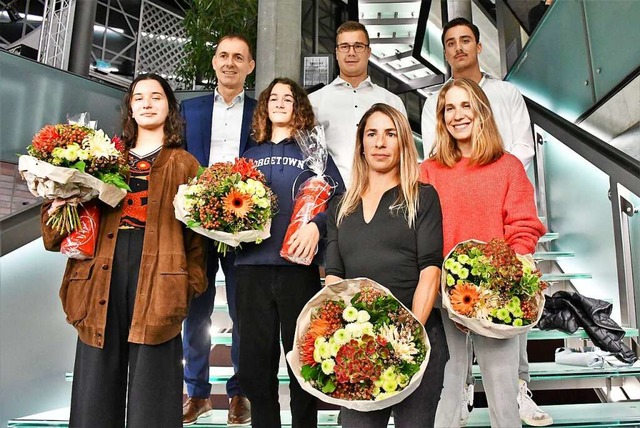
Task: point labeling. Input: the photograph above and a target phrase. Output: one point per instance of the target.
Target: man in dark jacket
(217, 130)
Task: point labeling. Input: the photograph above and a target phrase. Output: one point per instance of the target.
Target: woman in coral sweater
(485, 194)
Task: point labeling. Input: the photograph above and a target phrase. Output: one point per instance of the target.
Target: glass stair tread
(548, 237)
(537, 334)
(538, 371)
(597, 415)
(534, 334)
(549, 277)
(591, 415)
(552, 255)
(553, 371)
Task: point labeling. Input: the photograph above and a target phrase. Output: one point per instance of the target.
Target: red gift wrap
(81, 243)
(311, 200)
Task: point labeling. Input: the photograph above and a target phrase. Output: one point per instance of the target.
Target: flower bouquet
(74, 163)
(314, 193)
(227, 202)
(491, 290)
(357, 346)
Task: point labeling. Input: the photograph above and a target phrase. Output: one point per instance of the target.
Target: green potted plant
(205, 22)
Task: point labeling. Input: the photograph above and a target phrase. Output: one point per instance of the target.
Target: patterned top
(134, 212)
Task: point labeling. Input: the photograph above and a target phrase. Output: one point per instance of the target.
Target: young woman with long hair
(128, 302)
(485, 194)
(272, 291)
(386, 215)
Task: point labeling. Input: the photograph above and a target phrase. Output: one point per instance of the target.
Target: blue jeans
(197, 326)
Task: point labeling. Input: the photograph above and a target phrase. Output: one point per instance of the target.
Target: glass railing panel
(430, 44)
(432, 47)
(632, 220)
(554, 69)
(34, 94)
(579, 211)
(613, 37)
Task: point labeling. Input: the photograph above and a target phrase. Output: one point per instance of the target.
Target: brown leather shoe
(239, 411)
(195, 408)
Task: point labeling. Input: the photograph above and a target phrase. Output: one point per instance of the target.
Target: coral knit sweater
(485, 202)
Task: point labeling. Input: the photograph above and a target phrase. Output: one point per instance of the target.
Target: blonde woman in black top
(388, 227)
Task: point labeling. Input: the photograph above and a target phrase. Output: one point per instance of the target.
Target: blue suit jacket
(197, 113)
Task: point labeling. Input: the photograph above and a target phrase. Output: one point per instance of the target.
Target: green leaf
(308, 372)
(80, 166)
(192, 223)
(114, 179)
(329, 387)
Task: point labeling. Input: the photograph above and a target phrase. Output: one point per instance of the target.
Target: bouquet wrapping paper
(345, 290)
(485, 327)
(231, 239)
(51, 182)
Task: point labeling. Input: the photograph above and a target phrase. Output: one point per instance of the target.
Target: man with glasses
(339, 106)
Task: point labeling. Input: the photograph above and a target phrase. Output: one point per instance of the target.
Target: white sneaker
(530, 413)
(466, 405)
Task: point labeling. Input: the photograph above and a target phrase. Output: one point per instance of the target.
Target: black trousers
(151, 375)
(269, 300)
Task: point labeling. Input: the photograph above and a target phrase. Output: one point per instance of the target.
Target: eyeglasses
(357, 47)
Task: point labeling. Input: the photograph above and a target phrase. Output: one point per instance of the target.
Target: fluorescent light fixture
(102, 29)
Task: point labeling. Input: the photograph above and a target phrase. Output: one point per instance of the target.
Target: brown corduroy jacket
(172, 268)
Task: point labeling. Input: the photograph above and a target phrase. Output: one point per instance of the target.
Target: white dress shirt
(226, 128)
(509, 111)
(339, 107)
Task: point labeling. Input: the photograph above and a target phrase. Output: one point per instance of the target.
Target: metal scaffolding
(55, 39)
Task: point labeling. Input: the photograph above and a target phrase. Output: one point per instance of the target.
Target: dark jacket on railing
(567, 311)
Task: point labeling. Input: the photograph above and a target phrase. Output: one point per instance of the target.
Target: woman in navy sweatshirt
(272, 291)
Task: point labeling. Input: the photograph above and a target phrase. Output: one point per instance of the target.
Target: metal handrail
(618, 165)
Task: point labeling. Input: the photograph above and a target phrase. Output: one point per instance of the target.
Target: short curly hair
(303, 117)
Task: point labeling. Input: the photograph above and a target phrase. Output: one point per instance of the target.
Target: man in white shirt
(339, 106)
(217, 129)
(461, 41)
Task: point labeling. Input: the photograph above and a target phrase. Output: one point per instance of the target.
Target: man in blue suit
(218, 128)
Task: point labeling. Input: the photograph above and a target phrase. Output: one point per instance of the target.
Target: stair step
(534, 334)
(553, 371)
(552, 255)
(537, 371)
(548, 237)
(551, 277)
(621, 414)
(537, 334)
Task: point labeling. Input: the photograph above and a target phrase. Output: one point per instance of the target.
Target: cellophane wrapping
(81, 243)
(313, 195)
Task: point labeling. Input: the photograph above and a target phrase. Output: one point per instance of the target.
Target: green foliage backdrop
(205, 22)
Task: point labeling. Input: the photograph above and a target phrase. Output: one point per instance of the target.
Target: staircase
(546, 375)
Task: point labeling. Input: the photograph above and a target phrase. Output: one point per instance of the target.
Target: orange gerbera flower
(318, 327)
(464, 297)
(237, 203)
